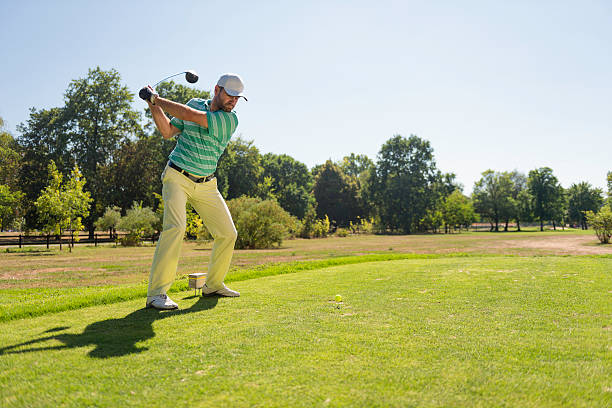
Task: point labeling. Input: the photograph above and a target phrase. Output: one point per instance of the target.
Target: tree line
(69, 165)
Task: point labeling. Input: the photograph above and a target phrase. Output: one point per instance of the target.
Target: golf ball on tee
(338, 298)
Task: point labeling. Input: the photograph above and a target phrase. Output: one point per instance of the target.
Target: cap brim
(234, 93)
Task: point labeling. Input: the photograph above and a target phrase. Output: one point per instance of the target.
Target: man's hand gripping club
(178, 110)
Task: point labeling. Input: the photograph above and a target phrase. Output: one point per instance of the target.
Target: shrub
(601, 223)
(311, 227)
(138, 222)
(260, 223)
(341, 232)
(321, 228)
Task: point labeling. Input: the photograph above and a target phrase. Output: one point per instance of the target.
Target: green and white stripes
(198, 149)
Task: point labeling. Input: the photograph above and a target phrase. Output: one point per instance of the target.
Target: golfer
(204, 128)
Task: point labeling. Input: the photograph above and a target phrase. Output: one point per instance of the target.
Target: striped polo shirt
(198, 149)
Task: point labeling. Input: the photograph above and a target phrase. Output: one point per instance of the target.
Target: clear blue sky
(491, 84)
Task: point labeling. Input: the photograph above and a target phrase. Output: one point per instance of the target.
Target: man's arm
(162, 122)
(183, 112)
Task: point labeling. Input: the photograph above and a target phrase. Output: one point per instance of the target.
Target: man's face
(226, 102)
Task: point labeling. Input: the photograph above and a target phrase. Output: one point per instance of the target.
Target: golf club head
(191, 76)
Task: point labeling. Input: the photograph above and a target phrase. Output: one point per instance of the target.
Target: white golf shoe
(223, 291)
(162, 302)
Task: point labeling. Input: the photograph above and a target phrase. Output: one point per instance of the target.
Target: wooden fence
(22, 240)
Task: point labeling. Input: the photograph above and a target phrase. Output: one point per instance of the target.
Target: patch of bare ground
(115, 265)
(560, 245)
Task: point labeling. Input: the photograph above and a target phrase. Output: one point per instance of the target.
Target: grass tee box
(437, 332)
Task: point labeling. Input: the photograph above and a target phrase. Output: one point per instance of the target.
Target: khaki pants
(209, 204)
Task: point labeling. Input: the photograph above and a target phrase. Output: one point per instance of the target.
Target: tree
(134, 173)
(10, 203)
(10, 159)
(109, 220)
(520, 208)
(62, 205)
(401, 186)
(99, 117)
(76, 201)
(336, 195)
(547, 195)
(356, 164)
(457, 211)
(492, 197)
(291, 182)
(239, 171)
(609, 179)
(583, 197)
(43, 138)
(524, 209)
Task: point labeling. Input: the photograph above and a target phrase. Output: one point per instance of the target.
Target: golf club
(190, 76)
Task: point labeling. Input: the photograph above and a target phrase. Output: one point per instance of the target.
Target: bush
(601, 223)
(341, 232)
(311, 227)
(138, 222)
(260, 223)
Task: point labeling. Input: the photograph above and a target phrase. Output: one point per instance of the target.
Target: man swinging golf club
(204, 128)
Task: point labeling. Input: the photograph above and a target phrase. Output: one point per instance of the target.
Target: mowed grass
(458, 332)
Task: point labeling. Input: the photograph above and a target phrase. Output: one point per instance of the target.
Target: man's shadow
(112, 337)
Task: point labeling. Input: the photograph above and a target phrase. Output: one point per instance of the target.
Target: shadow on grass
(112, 337)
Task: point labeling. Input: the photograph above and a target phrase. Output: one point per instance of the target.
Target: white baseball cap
(233, 85)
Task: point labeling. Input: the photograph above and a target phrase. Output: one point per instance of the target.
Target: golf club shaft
(168, 77)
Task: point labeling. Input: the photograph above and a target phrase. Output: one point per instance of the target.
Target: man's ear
(217, 89)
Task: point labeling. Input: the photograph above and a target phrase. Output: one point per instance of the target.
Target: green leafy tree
(356, 164)
(62, 205)
(291, 182)
(138, 222)
(76, 201)
(457, 211)
(42, 139)
(10, 204)
(609, 179)
(547, 195)
(402, 185)
(134, 173)
(10, 159)
(524, 208)
(583, 197)
(492, 196)
(518, 210)
(240, 171)
(99, 117)
(336, 195)
(109, 220)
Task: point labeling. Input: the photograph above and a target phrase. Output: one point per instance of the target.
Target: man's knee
(228, 234)
(174, 229)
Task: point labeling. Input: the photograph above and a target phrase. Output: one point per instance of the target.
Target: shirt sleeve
(178, 123)
(222, 125)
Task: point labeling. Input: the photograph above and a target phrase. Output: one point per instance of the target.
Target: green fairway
(458, 331)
